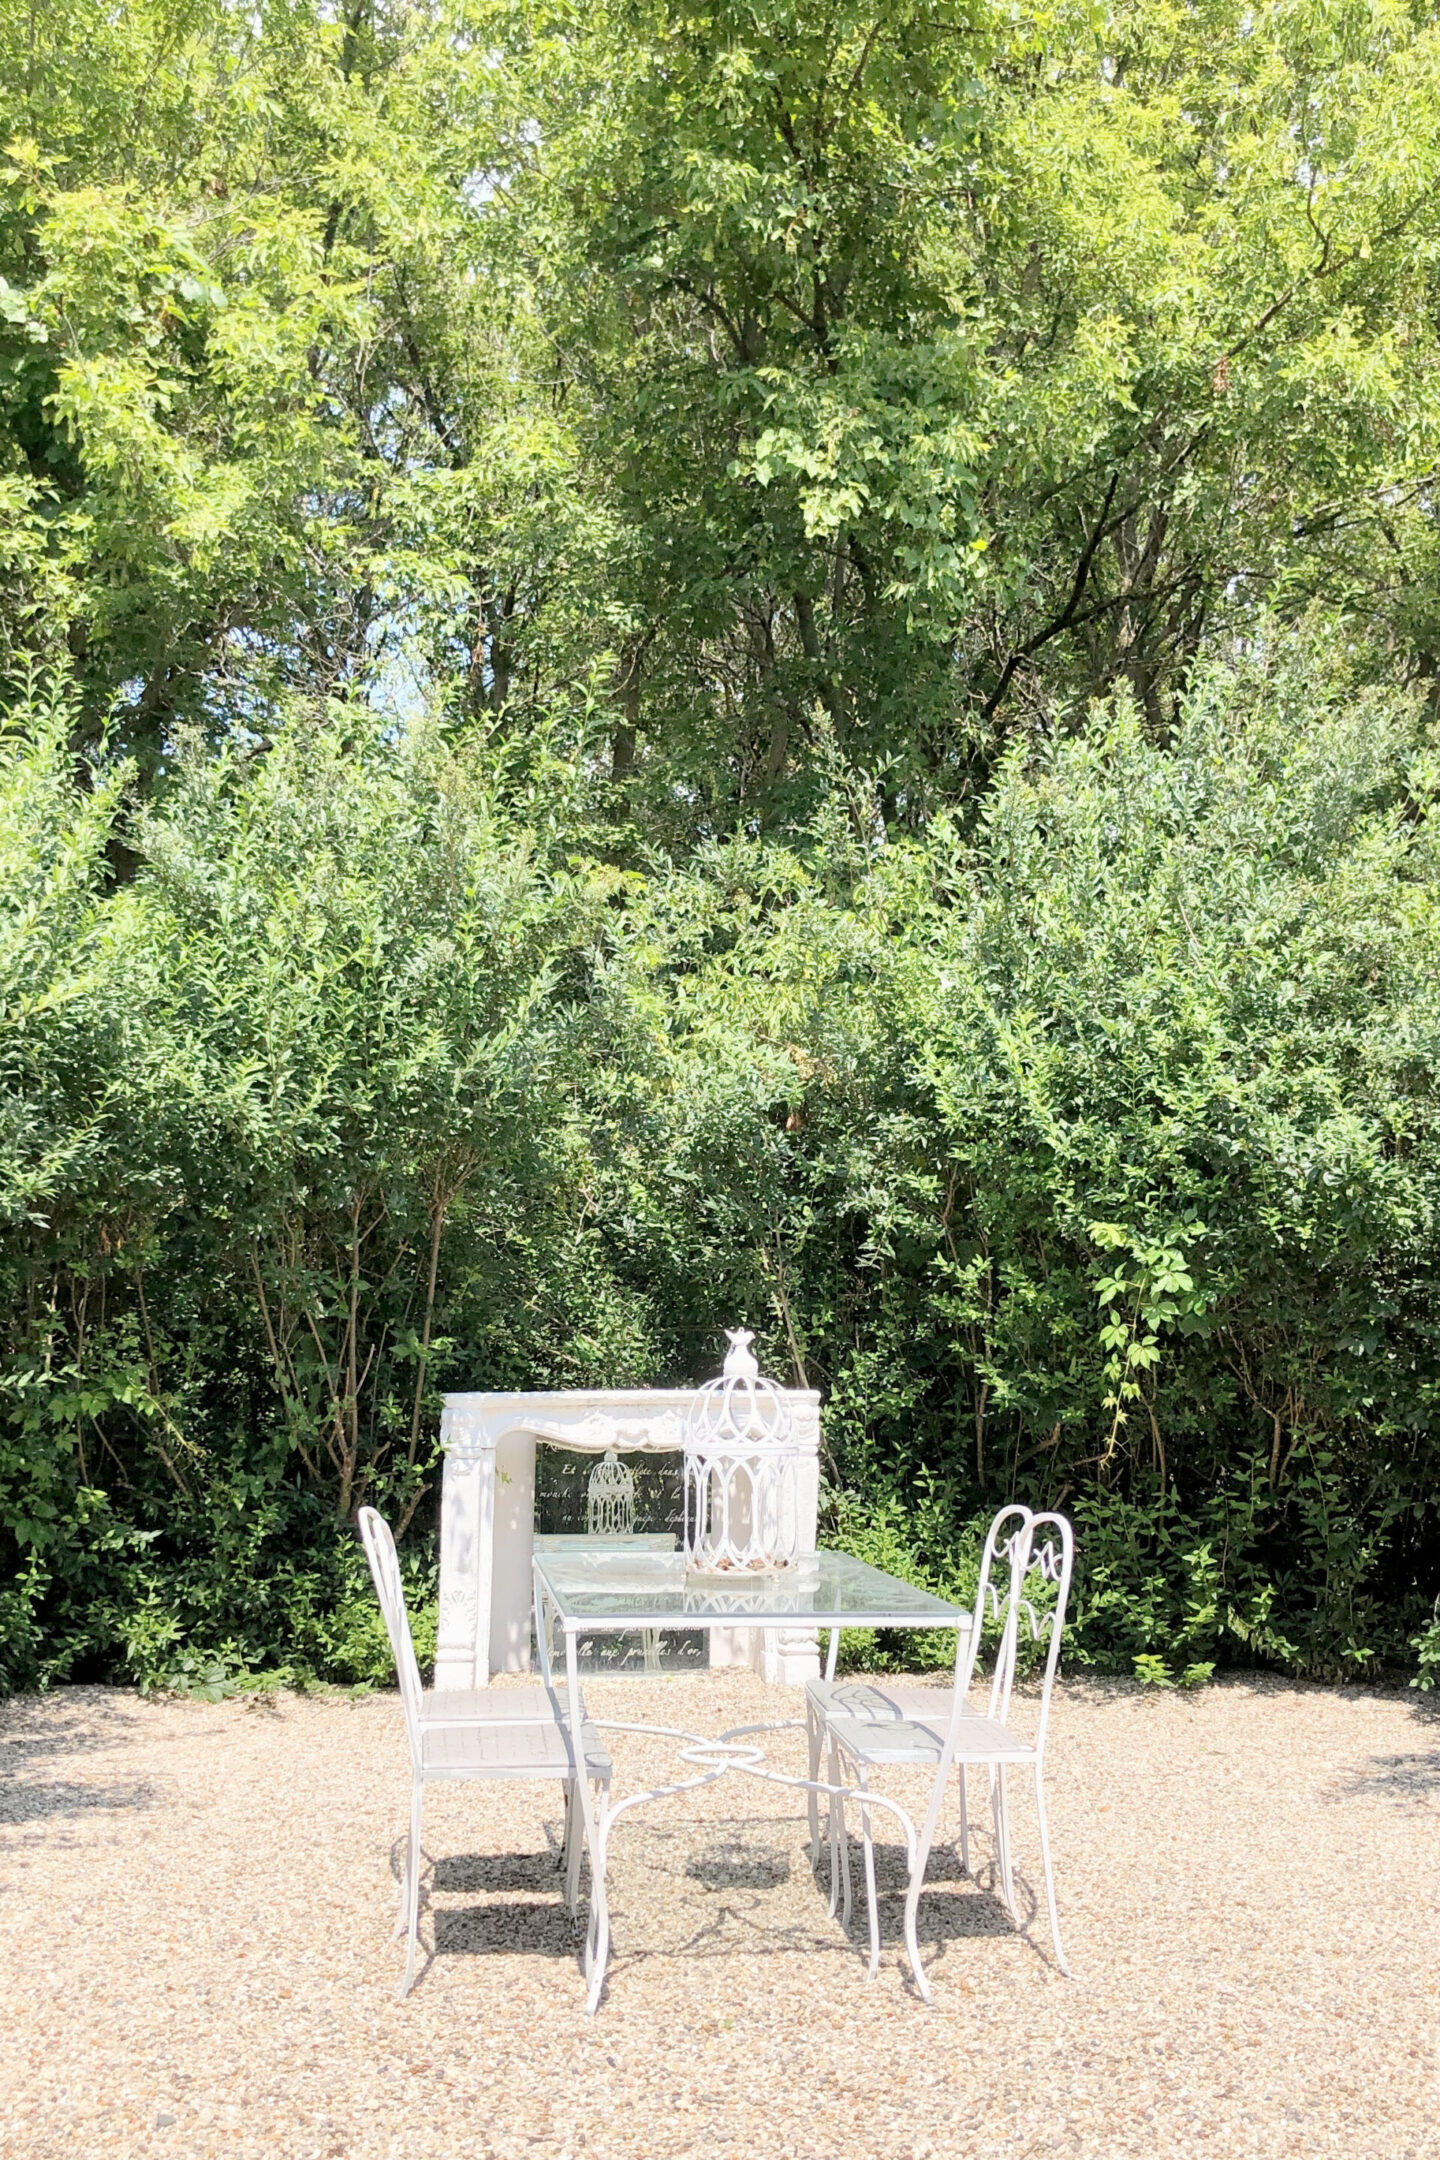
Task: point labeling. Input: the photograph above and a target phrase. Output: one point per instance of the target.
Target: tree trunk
(627, 697)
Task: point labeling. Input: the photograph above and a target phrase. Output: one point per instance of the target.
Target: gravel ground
(196, 1902)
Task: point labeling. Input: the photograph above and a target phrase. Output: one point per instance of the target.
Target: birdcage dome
(740, 1406)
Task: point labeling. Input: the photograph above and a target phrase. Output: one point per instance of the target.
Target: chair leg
(1049, 1871)
(651, 1640)
(839, 1847)
(871, 1895)
(574, 1846)
(597, 1955)
(815, 1737)
(964, 1826)
(412, 1884)
(919, 1861)
(402, 1907)
(597, 1934)
(912, 1906)
(832, 1831)
(1002, 1844)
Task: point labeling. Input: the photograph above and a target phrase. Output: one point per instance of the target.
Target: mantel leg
(788, 1657)
(467, 1541)
(512, 1544)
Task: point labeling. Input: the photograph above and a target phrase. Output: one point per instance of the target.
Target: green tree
(271, 409)
(944, 361)
(758, 372)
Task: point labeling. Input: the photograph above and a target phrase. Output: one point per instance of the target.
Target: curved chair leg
(412, 1884)
(912, 1946)
(598, 1955)
(832, 1832)
(1049, 1871)
(919, 1861)
(592, 1940)
(597, 1935)
(912, 1907)
(871, 1896)
(403, 1904)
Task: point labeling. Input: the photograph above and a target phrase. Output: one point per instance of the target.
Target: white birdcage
(610, 1499)
(741, 1471)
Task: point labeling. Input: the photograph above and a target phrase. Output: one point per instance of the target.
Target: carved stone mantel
(487, 1517)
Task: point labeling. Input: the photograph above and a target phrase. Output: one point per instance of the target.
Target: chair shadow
(491, 1874)
(954, 1906)
(513, 1921)
(515, 1927)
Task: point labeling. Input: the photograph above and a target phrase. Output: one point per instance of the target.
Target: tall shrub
(1097, 1157)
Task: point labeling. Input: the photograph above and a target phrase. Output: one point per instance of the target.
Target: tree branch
(1068, 614)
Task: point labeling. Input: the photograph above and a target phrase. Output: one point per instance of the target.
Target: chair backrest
(385, 1573)
(1027, 1550)
(997, 1593)
(1050, 1558)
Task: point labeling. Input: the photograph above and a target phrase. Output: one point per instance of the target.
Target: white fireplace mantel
(487, 1517)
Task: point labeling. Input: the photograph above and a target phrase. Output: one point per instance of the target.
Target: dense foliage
(663, 666)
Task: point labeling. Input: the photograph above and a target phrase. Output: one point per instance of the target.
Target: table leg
(597, 1934)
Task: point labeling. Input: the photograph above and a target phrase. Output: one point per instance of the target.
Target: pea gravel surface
(196, 1902)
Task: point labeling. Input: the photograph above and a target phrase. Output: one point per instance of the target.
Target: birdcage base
(737, 1571)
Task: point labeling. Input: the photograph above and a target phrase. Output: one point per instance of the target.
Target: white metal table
(612, 1591)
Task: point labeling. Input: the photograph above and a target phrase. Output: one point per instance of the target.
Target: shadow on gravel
(519, 1927)
(737, 1866)
(25, 1800)
(35, 1731)
(481, 1873)
(1403, 1777)
(46, 1727)
(953, 1905)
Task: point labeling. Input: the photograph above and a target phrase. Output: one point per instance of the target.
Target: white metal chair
(476, 1734)
(881, 1703)
(867, 1728)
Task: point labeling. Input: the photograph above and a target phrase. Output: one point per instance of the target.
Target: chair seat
(507, 1751)
(897, 1739)
(492, 1706)
(865, 1700)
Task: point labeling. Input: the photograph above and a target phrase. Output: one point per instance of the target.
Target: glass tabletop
(616, 1589)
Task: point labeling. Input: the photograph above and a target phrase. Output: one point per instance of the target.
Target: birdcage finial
(740, 1358)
